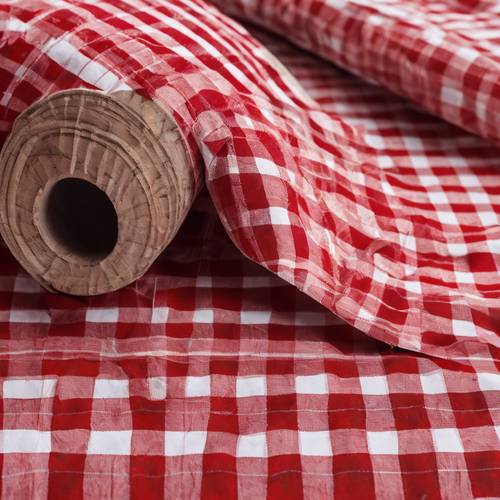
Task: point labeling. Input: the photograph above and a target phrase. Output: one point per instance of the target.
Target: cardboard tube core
(93, 187)
(71, 208)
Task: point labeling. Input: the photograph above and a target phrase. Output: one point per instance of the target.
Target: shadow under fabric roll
(93, 187)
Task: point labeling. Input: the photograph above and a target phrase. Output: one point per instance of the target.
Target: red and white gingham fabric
(299, 189)
(211, 376)
(443, 54)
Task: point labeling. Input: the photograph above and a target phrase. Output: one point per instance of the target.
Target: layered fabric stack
(327, 320)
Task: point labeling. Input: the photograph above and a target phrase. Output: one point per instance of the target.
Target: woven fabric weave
(299, 189)
(211, 375)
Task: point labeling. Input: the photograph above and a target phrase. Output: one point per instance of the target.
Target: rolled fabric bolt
(93, 187)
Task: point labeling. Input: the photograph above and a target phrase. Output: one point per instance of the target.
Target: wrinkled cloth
(213, 376)
(299, 189)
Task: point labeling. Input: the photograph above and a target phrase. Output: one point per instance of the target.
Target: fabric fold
(209, 376)
(441, 55)
(300, 190)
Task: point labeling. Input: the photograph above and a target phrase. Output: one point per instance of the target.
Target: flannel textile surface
(213, 376)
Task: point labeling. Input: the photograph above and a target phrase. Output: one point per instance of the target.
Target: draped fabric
(327, 320)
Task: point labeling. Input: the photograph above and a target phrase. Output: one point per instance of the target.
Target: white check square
(374, 386)
(203, 316)
(433, 383)
(489, 381)
(279, 216)
(110, 443)
(159, 316)
(198, 386)
(110, 388)
(463, 328)
(315, 443)
(29, 388)
(157, 388)
(178, 443)
(25, 441)
(250, 386)
(252, 445)
(311, 384)
(383, 443)
(108, 315)
(447, 440)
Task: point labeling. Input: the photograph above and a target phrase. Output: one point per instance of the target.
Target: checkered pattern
(442, 54)
(299, 189)
(210, 376)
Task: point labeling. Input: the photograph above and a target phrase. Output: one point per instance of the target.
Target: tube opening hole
(81, 220)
